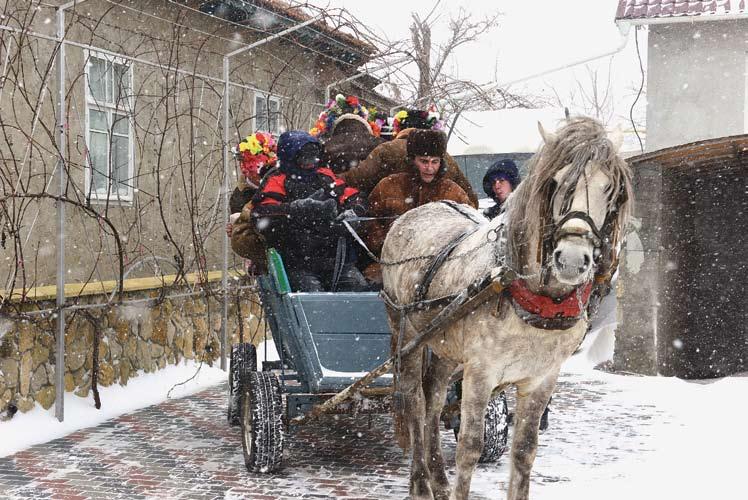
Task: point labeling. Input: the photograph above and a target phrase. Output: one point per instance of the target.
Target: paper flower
(257, 151)
(334, 109)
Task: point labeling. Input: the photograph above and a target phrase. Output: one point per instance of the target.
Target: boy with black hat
(500, 181)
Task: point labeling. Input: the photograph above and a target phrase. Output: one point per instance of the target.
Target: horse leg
(476, 391)
(413, 412)
(435, 383)
(531, 401)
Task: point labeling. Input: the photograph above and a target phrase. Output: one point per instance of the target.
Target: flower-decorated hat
(339, 109)
(418, 118)
(256, 153)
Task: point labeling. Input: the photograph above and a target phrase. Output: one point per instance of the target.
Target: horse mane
(580, 141)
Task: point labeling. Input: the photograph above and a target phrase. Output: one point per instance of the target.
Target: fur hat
(350, 116)
(426, 143)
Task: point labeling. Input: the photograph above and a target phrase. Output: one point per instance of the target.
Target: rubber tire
(243, 361)
(495, 431)
(262, 423)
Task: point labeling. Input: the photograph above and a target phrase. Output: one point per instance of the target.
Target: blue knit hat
(502, 169)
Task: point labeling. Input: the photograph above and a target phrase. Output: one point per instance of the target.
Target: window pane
(99, 164)
(121, 83)
(261, 114)
(120, 164)
(108, 77)
(97, 70)
(274, 116)
(120, 125)
(97, 120)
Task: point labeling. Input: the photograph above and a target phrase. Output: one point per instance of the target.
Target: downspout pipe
(226, 189)
(61, 184)
(623, 28)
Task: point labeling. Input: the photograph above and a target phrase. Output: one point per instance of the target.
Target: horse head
(566, 218)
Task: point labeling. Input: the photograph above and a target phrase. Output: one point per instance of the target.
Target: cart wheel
(496, 429)
(243, 361)
(262, 423)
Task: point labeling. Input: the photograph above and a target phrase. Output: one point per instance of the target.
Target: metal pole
(328, 89)
(225, 242)
(226, 153)
(61, 177)
(62, 181)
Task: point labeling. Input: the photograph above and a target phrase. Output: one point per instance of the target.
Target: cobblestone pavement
(185, 449)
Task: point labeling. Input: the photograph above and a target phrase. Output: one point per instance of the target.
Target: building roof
(712, 153)
(645, 11)
(273, 16)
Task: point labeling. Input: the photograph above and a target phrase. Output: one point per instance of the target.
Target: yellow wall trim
(107, 287)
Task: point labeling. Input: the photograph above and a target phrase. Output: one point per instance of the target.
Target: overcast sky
(532, 36)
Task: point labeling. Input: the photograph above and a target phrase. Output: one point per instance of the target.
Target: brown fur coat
(392, 158)
(398, 193)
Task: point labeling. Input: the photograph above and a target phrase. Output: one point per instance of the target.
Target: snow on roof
(514, 131)
(663, 9)
(502, 131)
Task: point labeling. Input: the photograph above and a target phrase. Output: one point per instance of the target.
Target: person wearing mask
(297, 210)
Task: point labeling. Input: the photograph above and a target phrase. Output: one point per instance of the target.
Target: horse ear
(615, 136)
(548, 137)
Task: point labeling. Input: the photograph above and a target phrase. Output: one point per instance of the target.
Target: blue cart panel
(331, 338)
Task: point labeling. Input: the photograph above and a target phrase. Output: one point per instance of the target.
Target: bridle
(603, 239)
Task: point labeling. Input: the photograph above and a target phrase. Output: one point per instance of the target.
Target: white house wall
(696, 86)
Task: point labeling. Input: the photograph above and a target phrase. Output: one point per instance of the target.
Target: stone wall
(135, 338)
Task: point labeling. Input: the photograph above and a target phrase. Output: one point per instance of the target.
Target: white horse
(559, 236)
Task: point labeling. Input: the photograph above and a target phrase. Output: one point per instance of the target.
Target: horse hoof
(441, 494)
(421, 490)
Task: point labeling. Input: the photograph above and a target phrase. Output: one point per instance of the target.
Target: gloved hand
(308, 207)
(347, 214)
(319, 195)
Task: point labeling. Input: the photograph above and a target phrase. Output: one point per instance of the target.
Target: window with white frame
(267, 114)
(109, 175)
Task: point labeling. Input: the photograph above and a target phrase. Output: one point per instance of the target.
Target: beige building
(143, 125)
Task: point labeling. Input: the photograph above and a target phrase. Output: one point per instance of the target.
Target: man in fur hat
(500, 181)
(424, 182)
(391, 157)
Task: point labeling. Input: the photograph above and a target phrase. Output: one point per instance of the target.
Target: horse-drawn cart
(325, 342)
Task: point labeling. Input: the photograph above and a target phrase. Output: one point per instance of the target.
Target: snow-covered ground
(611, 436)
(639, 437)
(40, 425)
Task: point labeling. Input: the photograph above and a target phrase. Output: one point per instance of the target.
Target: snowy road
(611, 437)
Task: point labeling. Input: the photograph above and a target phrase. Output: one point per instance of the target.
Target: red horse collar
(541, 311)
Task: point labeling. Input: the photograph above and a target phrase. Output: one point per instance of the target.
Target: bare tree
(433, 82)
(590, 94)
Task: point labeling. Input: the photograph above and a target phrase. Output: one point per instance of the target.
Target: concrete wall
(639, 277)
(696, 82)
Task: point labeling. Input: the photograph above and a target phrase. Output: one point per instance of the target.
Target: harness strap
(340, 258)
(423, 288)
(459, 208)
(358, 239)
